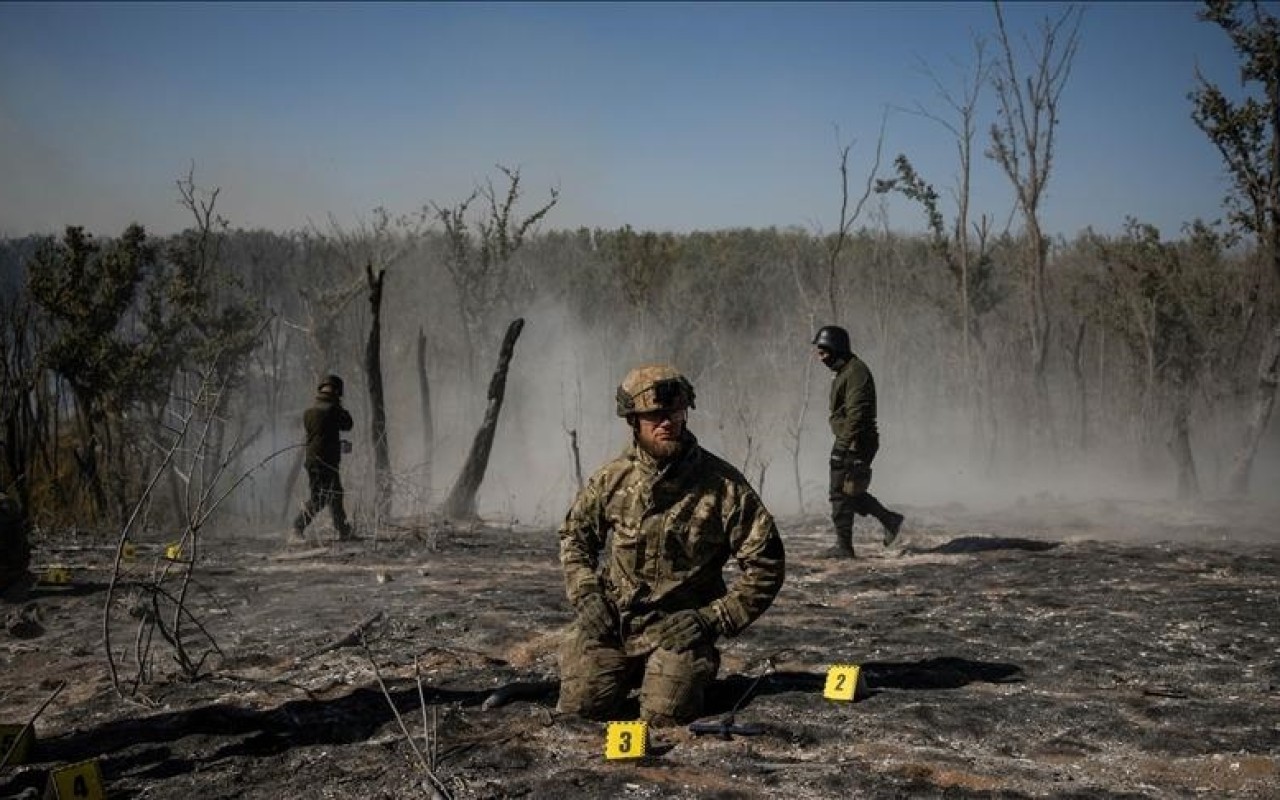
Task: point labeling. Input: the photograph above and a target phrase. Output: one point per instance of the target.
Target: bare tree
(963, 245)
(1247, 136)
(189, 452)
(479, 260)
(428, 423)
(1022, 143)
(963, 258)
(849, 217)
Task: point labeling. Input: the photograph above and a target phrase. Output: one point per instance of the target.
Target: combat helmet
(833, 338)
(654, 387)
(331, 383)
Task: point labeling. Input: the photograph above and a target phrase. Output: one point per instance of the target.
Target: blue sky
(664, 116)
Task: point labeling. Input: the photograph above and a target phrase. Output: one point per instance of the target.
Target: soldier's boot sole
(837, 552)
(892, 528)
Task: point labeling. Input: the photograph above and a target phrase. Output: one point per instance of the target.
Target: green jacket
(853, 409)
(670, 532)
(324, 423)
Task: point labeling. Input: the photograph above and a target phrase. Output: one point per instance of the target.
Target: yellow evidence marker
(626, 739)
(81, 781)
(23, 735)
(57, 576)
(844, 682)
(173, 552)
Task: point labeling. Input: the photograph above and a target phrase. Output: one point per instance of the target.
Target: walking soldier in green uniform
(643, 549)
(324, 423)
(857, 440)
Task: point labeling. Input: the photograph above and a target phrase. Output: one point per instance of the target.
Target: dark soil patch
(1004, 656)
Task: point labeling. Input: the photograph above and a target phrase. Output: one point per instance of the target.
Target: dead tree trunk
(377, 403)
(1180, 448)
(461, 503)
(1264, 399)
(577, 458)
(295, 471)
(428, 428)
(1076, 352)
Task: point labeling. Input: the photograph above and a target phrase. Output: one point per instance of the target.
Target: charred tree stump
(461, 503)
(377, 402)
(577, 457)
(428, 429)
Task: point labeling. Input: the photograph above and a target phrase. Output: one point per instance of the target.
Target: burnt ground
(1061, 650)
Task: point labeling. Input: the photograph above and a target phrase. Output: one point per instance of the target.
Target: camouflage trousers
(596, 677)
(326, 492)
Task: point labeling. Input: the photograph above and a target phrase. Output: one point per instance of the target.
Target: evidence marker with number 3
(626, 739)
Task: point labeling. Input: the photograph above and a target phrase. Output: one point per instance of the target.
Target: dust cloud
(761, 404)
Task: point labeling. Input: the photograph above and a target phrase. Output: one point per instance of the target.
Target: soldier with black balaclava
(325, 422)
(857, 440)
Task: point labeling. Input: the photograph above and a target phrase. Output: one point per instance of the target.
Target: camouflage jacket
(324, 422)
(853, 409)
(670, 531)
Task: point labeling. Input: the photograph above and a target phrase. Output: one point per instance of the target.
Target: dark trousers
(326, 491)
(845, 504)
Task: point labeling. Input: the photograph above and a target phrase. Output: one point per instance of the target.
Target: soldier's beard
(660, 449)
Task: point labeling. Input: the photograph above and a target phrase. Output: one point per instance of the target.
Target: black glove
(685, 629)
(596, 618)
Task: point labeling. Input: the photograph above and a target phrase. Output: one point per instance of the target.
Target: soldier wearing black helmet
(324, 423)
(643, 551)
(857, 439)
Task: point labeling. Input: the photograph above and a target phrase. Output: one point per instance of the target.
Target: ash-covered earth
(1051, 649)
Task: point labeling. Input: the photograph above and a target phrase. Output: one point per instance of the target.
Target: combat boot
(842, 549)
(892, 525)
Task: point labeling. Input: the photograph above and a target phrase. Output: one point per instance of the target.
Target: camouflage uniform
(857, 440)
(669, 531)
(324, 422)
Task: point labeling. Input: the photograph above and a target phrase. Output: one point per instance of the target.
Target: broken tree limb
(352, 637)
(461, 503)
(31, 722)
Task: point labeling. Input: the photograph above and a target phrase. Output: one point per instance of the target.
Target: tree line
(142, 375)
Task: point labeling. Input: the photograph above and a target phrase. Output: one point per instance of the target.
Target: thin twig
(18, 739)
(422, 760)
(427, 737)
